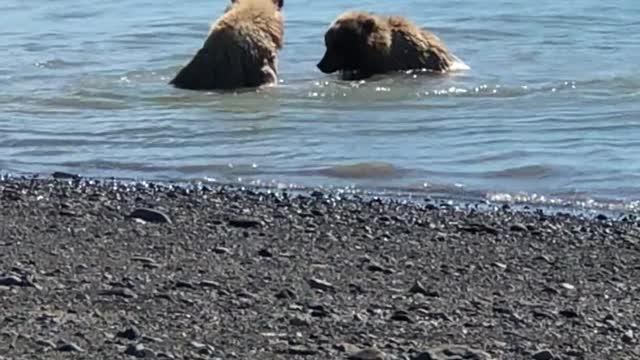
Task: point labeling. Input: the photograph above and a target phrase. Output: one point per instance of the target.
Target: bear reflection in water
(359, 45)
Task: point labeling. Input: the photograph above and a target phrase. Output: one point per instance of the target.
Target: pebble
(45, 343)
(285, 294)
(500, 265)
(627, 337)
(69, 347)
(209, 284)
(130, 333)
(543, 355)
(299, 321)
(321, 284)
(453, 352)
(301, 350)
(139, 351)
(245, 222)
(150, 215)
(347, 348)
(265, 253)
(418, 288)
(518, 228)
(401, 315)
(568, 286)
(379, 268)
(368, 354)
(64, 175)
(221, 250)
(12, 281)
(569, 313)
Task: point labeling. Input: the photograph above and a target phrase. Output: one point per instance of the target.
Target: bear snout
(327, 65)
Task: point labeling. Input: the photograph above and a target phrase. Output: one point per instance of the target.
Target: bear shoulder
(416, 47)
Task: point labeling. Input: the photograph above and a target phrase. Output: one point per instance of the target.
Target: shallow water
(548, 111)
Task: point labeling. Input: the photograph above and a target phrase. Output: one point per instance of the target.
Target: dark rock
(285, 294)
(320, 284)
(401, 315)
(139, 351)
(69, 347)
(627, 337)
(46, 343)
(180, 284)
(245, 222)
(60, 175)
(131, 333)
(518, 228)
(368, 354)
(475, 228)
(12, 281)
(319, 310)
(418, 288)
(68, 213)
(569, 313)
(265, 253)
(150, 215)
(453, 352)
(299, 321)
(543, 355)
(379, 268)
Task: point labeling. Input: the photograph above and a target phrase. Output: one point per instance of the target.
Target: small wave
(369, 170)
(524, 172)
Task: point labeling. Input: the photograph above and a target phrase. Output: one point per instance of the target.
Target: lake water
(549, 111)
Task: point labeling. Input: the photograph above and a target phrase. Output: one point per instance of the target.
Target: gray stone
(130, 333)
(453, 352)
(320, 284)
(245, 222)
(368, 354)
(543, 355)
(69, 347)
(150, 215)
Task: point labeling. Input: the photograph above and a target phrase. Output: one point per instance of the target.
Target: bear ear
(368, 25)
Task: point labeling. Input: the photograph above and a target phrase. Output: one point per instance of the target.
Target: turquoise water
(548, 111)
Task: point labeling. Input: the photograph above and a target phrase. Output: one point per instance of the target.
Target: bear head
(355, 44)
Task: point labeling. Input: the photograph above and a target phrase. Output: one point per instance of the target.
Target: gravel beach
(93, 270)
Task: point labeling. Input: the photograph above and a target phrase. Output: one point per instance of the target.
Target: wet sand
(93, 270)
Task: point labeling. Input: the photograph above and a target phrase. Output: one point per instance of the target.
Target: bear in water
(240, 51)
(360, 44)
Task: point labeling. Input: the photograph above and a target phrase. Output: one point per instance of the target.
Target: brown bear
(240, 50)
(360, 44)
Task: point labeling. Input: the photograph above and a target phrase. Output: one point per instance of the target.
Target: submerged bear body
(359, 45)
(240, 50)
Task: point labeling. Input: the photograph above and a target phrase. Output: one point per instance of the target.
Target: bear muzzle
(327, 65)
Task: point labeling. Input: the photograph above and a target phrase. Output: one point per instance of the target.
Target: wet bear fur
(360, 44)
(240, 50)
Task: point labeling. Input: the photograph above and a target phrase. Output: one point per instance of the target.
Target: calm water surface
(549, 110)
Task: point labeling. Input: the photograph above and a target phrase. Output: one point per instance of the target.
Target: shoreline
(126, 271)
(481, 201)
